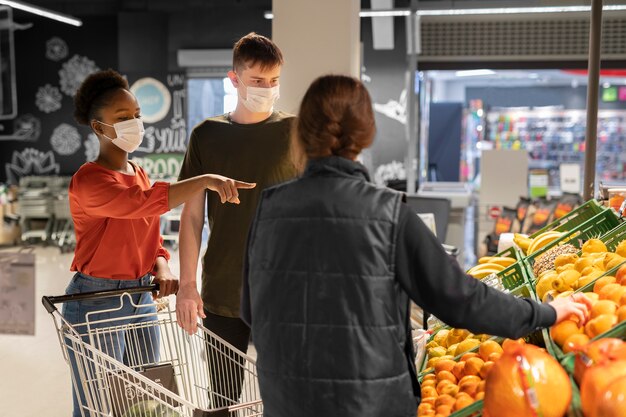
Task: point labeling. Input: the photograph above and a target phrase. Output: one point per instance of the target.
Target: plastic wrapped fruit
(526, 381)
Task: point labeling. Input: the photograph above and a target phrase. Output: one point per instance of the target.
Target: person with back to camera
(116, 213)
(331, 265)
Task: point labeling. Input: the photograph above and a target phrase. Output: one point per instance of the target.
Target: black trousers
(226, 370)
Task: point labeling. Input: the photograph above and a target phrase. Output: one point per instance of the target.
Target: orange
(561, 331)
(484, 371)
(600, 324)
(620, 275)
(480, 396)
(446, 375)
(494, 356)
(469, 378)
(575, 342)
(450, 389)
(600, 307)
(617, 294)
(443, 410)
(466, 356)
(429, 377)
(621, 314)
(601, 282)
(444, 400)
(488, 347)
(444, 365)
(429, 392)
(429, 400)
(607, 290)
(508, 342)
(441, 385)
(473, 366)
(462, 402)
(458, 369)
(423, 408)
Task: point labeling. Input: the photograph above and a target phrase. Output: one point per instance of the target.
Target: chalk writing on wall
(56, 49)
(175, 80)
(73, 72)
(159, 165)
(171, 138)
(65, 139)
(30, 161)
(48, 98)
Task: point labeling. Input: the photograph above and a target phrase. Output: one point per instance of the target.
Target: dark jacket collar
(336, 165)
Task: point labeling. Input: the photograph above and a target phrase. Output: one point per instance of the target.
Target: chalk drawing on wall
(92, 147)
(65, 139)
(394, 109)
(26, 128)
(74, 72)
(154, 99)
(30, 161)
(48, 98)
(56, 49)
(392, 171)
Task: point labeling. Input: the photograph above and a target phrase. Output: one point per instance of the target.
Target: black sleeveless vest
(327, 311)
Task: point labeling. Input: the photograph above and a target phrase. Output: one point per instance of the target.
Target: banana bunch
(530, 246)
(488, 265)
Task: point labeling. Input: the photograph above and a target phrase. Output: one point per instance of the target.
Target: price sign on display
(494, 212)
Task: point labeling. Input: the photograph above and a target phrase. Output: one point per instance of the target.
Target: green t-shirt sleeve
(192, 165)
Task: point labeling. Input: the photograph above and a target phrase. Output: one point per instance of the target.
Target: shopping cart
(63, 230)
(182, 375)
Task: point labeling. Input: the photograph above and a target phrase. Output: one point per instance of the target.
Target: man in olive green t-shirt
(250, 144)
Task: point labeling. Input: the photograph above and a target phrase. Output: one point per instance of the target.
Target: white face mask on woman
(129, 134)
(259, 99)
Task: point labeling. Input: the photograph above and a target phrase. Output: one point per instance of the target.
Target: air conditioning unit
(205, 58)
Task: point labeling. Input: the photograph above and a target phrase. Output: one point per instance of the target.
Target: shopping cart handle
(49, 302)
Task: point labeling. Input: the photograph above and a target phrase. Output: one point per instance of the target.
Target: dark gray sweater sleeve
(436, 282)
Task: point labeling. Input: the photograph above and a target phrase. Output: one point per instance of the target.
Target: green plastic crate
(598, 226)
(535, 338)
(551, 345)
(574, 218)
(515, 276)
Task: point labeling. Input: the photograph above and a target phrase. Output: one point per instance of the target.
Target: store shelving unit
(555, 136)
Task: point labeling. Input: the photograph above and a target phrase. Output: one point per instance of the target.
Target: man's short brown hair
(255, 49)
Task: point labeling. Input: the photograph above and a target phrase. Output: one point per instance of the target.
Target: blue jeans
(136, 346)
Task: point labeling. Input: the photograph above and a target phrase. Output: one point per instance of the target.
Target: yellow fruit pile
(609, 308)
(455, 385)
(531, 245)
(449, 343)
(488, 265)
(573, 271)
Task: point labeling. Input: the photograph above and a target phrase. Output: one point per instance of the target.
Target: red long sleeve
(116, 218)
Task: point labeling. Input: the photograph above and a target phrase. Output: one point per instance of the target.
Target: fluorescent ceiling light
(485, 11)
(474, 73)
(42, 12)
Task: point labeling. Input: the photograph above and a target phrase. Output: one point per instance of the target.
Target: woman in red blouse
(116, 213)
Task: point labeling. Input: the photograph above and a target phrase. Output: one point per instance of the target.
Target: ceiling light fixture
(474, 73)
(40, 11)
(485, 11)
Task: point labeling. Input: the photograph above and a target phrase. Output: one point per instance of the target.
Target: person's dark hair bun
(93, 93)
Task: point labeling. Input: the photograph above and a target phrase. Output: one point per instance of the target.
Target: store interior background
(466, 113)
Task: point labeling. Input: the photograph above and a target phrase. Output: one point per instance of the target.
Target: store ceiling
(81, 8)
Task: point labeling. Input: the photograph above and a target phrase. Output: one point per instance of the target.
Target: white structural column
(317, 38)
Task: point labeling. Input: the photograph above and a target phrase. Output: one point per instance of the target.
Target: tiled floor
(34, 378)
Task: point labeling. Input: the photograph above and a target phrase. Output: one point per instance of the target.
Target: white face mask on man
(129, 134)
(259, 99)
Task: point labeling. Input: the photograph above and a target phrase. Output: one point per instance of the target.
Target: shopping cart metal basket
(183, 375)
